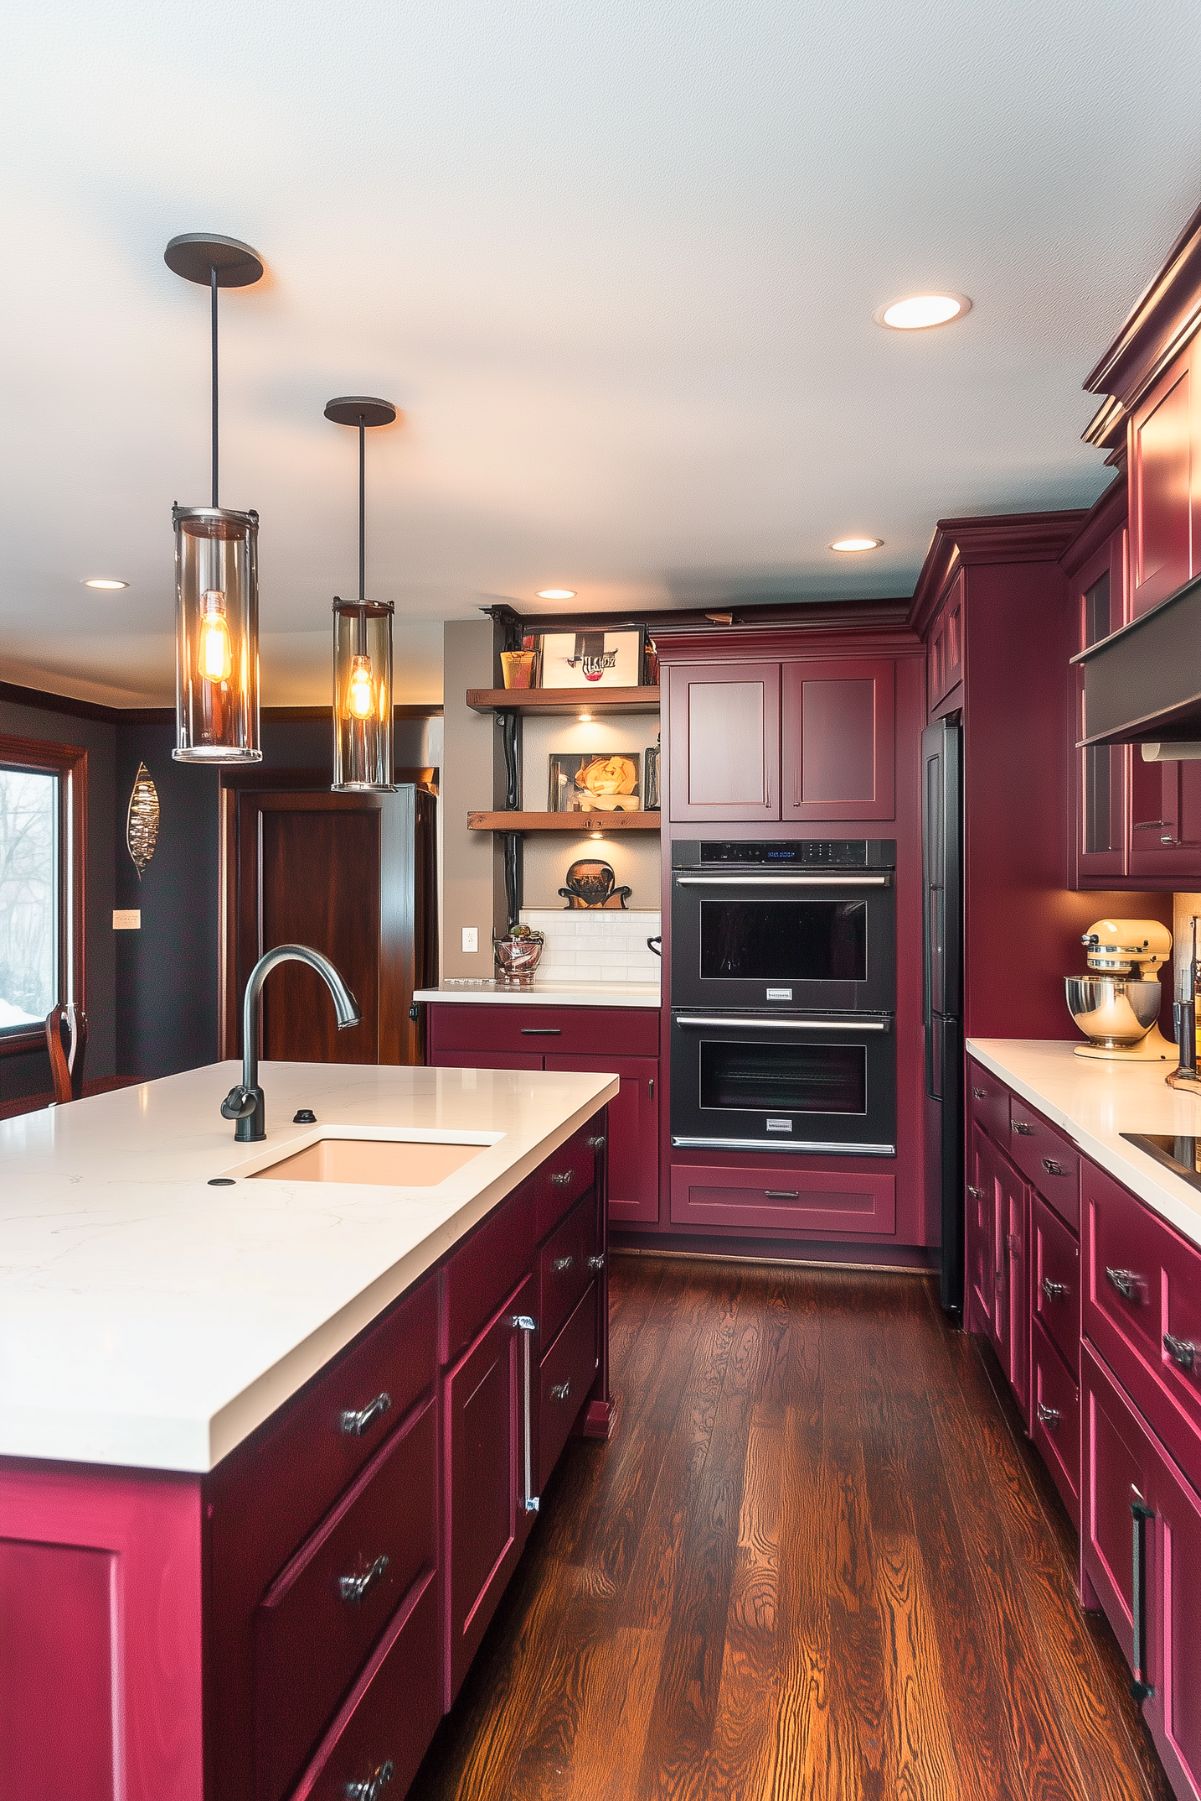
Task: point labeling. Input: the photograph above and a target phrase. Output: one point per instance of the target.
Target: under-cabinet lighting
(585, 718)
(917, 312)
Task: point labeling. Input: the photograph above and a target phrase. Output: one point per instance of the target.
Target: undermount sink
(379, 1162)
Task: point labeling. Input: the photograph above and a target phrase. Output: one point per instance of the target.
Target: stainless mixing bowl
(1113, 1010)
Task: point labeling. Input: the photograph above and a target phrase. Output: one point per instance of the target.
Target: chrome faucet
(244, 1103)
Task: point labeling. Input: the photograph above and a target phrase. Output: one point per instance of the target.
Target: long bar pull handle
(780, 1194)
(1140, 1513)
(771, 1022)
(523, 1323)
(541, 1031)
(783, 881)
(1182, 1351)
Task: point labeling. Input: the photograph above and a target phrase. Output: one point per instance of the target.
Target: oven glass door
(799, 1084)
(783, 941)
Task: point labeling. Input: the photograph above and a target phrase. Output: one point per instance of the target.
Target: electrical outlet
(127, 919)
(471, 938)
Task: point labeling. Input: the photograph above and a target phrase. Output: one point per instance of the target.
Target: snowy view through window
(28, 896)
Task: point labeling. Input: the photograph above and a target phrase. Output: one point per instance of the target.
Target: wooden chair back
(67, 1041)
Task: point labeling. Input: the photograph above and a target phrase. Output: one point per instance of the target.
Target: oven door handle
(772, 1023)
(783, 881)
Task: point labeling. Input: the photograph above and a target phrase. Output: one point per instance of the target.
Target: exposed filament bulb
(216, 652)
(360, 695)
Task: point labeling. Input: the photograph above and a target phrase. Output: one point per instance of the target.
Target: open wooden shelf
(563, 822)
(564, 700)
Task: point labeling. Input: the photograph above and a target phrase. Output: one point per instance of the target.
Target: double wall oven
(783, 990)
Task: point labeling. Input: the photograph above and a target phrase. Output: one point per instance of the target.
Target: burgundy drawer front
(312, 1632)
(487, 1266)
(1142, 1309)
(1047, 1159)
(1056, 1279)
(988, 1103)
(389, 1720)
(566, 1175)
(1118, 1458)
(578, 1031)
(317, 1443)
(566, 1375)
(797, 1203)
(1055, 1418)
(565, 1269)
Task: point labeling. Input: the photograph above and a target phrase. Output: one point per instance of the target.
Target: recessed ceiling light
(585, 719)
(856, 544)
(556, 594)
(108, 582)
(918, 311)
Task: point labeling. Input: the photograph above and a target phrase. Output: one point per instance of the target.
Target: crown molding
(1162, 320)
(1106, 516)
(988, 538)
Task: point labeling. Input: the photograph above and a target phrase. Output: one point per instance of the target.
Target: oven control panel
(788, 853)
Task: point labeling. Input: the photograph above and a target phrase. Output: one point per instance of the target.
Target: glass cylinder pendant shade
(216, 636)
(363, 694)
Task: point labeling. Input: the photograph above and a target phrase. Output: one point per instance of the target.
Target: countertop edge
(612, 995)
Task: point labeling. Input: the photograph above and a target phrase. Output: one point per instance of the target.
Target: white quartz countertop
(149, 1319)
(1094, 1102)
(547, 994)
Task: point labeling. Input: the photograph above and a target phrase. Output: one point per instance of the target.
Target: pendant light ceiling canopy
(216, 563)
(362, 696)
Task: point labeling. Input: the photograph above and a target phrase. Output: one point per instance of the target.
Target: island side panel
(598, 1415)
(100, 1640)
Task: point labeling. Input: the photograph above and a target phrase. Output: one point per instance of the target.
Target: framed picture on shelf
(593, 782)
(595, 659)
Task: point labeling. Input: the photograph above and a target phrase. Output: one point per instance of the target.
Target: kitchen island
(272, 1439)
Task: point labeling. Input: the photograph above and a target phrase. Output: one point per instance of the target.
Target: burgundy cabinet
(633, 1133)
(1013, 1300)
(490, 1457)
(1119, 1461)
(1174, 1710)
(1165, 824)
(1102, 772)
(837, 740)
(944, 650)
(1164, 481)
(980, 1236)
(723, 741)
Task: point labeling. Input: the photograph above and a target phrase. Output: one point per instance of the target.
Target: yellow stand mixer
(1117, 1004)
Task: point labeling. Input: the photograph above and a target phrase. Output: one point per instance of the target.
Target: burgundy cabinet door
(1174, 1710)
(1164, 484)
(1102, 773)
(633, 1133)
(1165, 831)
(944, 650)
(489, 1408)
(1117, 1485)
(838, 740)
(1014, 1303)
(981, 1235)
(723, 735)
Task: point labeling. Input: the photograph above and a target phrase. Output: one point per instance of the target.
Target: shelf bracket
(511, 850)
(510, 744)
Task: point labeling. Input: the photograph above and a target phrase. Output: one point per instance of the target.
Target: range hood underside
(1143, 683)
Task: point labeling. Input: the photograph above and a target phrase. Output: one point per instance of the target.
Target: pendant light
(216, 566)
(362, 700)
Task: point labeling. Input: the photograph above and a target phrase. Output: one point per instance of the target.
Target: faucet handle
(238, 1103)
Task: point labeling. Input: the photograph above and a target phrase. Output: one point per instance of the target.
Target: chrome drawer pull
(1022, 1128)
(1054, 1291)
(353, 1588)
(541, 1031)
(979, 1094)
(976, 1193)
(355, 1421)
(597, 1142)
(561, 1391)
(780, 1194)
(1127, 1282)
(1182, 1351)
(597, 1260)
(561, 1177)
(563, 1263)
(1048, 1416)
(1054, 1168)
(527, 1326)
(374, 1785)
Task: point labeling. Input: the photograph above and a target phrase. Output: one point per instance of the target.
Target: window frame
(70, 763)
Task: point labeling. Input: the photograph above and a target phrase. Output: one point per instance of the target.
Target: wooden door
(723, 741)
(488, 1413)
(348, 875)
(838, 732)
(1164, 484)
(633, 1133)
(1102, 772)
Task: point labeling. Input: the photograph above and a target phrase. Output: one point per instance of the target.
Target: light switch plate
(127, 919)
(471, 938)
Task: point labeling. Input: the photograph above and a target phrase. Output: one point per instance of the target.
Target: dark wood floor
(815, 1561)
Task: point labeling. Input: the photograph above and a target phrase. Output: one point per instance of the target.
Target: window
(42, 803)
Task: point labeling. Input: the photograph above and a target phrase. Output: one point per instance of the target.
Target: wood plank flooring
(815, 1563)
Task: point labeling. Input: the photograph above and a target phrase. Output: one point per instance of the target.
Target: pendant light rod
(362, 508)
(213, 288)
(214, 262)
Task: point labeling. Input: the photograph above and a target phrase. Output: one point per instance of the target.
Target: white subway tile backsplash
(596, 946)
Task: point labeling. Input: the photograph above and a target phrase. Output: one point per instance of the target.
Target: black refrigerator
(942, 931)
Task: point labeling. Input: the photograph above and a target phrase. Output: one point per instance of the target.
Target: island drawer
(308, 1452)
(564, 1266)
(516, 1026)
(488, 1265)
(567, 1173)
(1142, 1310)
(566, 1374)
(318, 1621)
(1055, 1261)
(792, 1200)
(988, 1102)
(385, 1725)
(1047, 1159)
(1055, 1418)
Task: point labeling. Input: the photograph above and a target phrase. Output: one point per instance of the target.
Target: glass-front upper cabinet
(1102, 784)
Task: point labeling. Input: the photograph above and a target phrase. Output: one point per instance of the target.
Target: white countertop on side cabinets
(1094, 1101)
(152, 1320)
(546, 994)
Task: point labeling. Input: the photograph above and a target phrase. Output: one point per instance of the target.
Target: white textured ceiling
(617, 263)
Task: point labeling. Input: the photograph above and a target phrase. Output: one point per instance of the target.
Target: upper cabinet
(944, 652)
(799, 740)
(1095, 566)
